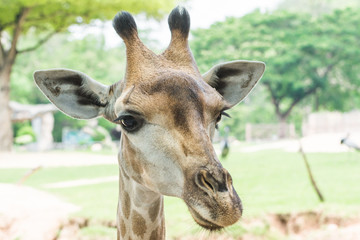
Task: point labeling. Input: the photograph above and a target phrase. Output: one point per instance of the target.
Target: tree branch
(274, 99)
(328, 69)
(5, 25)
(20, 19)
(298, 99)
(2, 53)
(322, 73)
(39, 43)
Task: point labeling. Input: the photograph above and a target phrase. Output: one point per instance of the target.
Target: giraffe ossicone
(168, 112)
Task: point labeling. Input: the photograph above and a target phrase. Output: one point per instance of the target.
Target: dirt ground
(30, 214)
(312, 225)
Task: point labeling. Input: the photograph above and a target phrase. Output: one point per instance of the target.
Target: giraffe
(168, 113)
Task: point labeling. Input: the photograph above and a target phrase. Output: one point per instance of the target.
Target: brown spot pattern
(136, 167)
(122, 228)
(121, 181)
(126, 205)
(138, 224)
(154, 210)
(131, 157)
(184, 95)
(155, 234)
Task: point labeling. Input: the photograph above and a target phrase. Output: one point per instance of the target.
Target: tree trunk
(6, 132)
(317, 101)
(283, 128)
(7, 61)
(282, 116)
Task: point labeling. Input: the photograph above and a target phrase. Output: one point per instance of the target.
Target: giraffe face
(166, 144)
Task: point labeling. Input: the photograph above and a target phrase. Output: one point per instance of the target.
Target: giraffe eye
(218, 119)
(129, 123)
(222, 114)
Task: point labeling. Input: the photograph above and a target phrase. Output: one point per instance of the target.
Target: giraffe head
(168, 112)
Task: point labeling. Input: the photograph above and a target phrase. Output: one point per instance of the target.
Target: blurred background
(292, 146)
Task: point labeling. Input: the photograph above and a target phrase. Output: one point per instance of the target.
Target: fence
(268, 131)
(331, 122)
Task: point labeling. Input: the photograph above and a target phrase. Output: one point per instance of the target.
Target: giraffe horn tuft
(124, 24)
(179, 20)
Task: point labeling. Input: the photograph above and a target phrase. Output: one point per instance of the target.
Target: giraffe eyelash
(222, 113)
(225, 114)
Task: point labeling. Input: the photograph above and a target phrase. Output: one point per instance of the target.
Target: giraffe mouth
(202, 222)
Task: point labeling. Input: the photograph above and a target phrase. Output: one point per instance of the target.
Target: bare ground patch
(29, 214)
(309, 225)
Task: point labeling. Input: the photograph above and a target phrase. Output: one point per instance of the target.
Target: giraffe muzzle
(216, 205)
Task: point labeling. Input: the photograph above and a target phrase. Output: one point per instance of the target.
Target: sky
(203, 13)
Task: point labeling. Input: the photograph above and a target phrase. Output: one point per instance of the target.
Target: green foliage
(305, 56)
(98, 136)
(106, 124)
(17, 125)
(61, 121)
(57, 15)
(341, 52)
(24, 133)
(26, 130)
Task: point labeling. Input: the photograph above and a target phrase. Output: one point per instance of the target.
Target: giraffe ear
(73, 92)
(235, 80)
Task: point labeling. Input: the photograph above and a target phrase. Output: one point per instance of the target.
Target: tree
(304, 55)
(46, 18)
(338, 48)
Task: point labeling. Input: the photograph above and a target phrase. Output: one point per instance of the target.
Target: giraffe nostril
(205, 181)
(221, 182)
(207, 184)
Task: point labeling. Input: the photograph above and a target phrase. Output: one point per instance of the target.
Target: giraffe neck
(140, 211)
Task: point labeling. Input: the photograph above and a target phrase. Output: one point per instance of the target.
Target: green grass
(275, 181)
(266, 181)
(98, 231)
(52, 175)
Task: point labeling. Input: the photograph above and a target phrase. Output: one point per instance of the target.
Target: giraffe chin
(202, 222)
